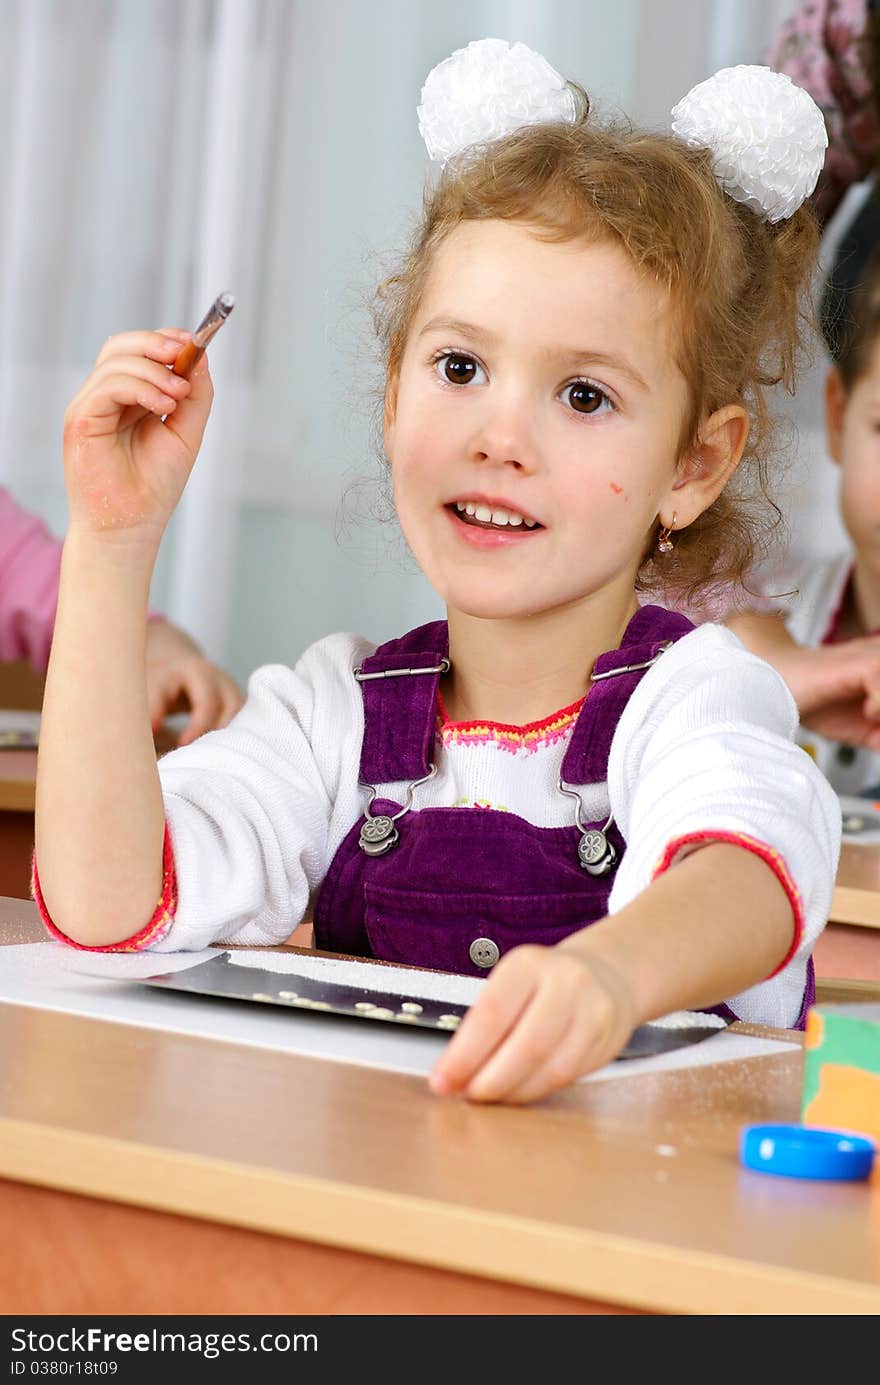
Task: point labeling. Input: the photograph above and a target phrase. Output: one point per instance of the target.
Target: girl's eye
(585, 398)
(457, 369)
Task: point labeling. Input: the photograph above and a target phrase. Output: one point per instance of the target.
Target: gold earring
(664, 541)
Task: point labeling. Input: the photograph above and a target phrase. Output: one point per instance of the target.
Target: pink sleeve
(30, 559)
(30, 563)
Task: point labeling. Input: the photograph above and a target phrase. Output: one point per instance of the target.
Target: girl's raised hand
(546, 1016)
(125, 469)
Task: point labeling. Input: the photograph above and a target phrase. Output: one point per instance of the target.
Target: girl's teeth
(503, 518)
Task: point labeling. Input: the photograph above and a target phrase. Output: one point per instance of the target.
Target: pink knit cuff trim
(766, 853)
(157, 927)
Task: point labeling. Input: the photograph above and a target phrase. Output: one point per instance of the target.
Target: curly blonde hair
(740, 288)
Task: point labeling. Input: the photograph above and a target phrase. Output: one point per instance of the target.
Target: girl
(594, 802)
(824, 638)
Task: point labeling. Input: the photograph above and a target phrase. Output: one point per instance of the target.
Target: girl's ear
(835, 405)
(708, 466)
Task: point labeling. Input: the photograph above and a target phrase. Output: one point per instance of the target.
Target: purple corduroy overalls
(461, 886)
(456, 876)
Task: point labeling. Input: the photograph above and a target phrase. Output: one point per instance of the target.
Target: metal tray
(221, 979)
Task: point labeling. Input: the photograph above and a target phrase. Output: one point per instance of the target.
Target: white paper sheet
(51, 976)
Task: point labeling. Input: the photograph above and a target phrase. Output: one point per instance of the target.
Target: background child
(831, 48)
(177, 673)
(825, 638)
(575, 343)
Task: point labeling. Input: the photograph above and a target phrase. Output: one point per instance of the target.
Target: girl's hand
(179, 677)
(125, 469)
(546, 1016)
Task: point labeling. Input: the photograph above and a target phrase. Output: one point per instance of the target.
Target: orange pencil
(210, 324)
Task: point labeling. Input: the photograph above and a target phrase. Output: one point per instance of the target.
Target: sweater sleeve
(30, 561)
(256, 810)
(704, 752)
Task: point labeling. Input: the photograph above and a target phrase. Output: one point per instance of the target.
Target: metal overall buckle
(596, 853)
(378, 834)
(633, 668)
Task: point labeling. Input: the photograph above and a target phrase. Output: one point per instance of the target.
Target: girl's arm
(99, 813)
(715, 925)
(732, 842)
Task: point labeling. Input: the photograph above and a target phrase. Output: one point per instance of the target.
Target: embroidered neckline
(530, 737)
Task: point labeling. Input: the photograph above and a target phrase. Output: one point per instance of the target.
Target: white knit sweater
(705, 745)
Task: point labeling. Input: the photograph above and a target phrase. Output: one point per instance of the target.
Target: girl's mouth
(500, 529)
(501, 520)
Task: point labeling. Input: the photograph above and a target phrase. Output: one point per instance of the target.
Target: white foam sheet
(51, 976)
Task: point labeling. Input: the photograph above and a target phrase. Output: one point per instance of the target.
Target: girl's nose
(505, 438)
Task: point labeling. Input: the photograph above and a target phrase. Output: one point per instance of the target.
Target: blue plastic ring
(804, 1151)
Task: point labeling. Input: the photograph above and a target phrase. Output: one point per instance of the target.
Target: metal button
(378, 835)
(483, 952)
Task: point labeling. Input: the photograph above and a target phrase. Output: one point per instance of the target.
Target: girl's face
(853, 426)
(534, 433)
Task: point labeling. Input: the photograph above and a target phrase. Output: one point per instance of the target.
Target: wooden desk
(20, 688)
(18, 774)
(613, 1193)
(18, 770)
(856, 899)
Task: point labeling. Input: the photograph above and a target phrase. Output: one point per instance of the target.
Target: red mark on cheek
(618, 490)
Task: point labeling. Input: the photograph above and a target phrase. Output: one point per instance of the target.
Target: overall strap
(400, 708)
(649, 631)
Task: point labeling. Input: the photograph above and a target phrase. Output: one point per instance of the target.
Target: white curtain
(155, 154)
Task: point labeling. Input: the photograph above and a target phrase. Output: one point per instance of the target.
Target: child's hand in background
(125, 469)
(546, 1016)
(837, 689)
(836, 686)
(180, 678)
